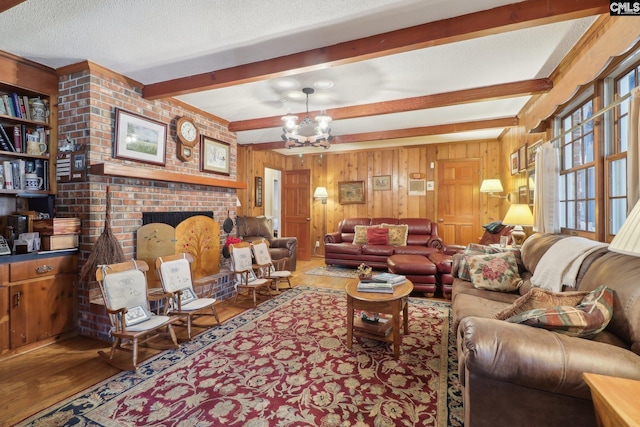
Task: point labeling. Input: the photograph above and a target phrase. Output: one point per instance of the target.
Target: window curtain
(545, 196)
(633, 151)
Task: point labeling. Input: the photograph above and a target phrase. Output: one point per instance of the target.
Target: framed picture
(515, 166)
(258, 187)
(523, 195)
(522, 158)
(351, 193)
(382, 182)
(531, 153)
(140, 139)
(214, 156)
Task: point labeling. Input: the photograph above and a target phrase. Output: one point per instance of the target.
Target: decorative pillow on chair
(585, 320)
(377, 236)
(541, 298)
(360, 234)
(397, 234)
(496, 272)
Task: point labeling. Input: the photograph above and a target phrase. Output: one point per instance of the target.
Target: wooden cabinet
(38, 303)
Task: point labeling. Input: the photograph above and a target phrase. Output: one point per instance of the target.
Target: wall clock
(188, 136)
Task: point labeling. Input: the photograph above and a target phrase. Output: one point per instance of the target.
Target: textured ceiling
(154, 41)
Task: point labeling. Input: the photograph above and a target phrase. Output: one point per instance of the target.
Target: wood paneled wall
(328, 169)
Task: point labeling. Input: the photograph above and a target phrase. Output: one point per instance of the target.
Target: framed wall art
(258, 188)
(531, 153)
(523, 195)
(382, 182)
(351, 192)
(140, 139)
(514, 163)
(214, 156)
(522, 158)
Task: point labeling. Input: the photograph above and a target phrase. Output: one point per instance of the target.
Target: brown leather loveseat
(515, 374)
(421, 239)
(252, 228)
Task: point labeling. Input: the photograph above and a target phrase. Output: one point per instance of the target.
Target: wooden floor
(36, 380)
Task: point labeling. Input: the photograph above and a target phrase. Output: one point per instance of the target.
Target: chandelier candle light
(306, 133)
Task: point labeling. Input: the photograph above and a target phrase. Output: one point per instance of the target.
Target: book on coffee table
(386, 288)
(392, 278)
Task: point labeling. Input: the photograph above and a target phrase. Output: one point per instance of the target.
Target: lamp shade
(491, 186)
(518, 214)
(627, 240)
(321, 194)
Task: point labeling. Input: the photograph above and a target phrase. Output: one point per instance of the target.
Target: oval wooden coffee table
(376, 302)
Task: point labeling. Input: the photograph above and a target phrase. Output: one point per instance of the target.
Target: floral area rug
(284, 363)
(332, 271)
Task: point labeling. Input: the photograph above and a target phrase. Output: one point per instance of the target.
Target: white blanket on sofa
(559, 266)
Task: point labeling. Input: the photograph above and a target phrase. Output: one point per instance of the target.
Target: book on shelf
(5, 142)
(8, 175)
(3, 106)
(386, 288)
(16, 105)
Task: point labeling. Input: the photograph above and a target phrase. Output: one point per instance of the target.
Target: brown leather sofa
(514, 374)
(252, 228)
(339, 249)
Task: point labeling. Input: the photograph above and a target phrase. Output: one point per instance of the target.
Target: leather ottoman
(417, 268)
(444, 276)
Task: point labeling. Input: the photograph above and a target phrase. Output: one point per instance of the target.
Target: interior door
(458, 201)
(296, 209)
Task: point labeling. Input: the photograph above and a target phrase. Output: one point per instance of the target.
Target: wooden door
(296, 209)
(459, 201)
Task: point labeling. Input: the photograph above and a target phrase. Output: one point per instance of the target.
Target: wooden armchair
(176, 279)
(242, 266)
(124, 290)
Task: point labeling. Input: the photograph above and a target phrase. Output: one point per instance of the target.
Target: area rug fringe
(91, 406)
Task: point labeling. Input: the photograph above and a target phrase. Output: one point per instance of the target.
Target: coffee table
(391, 304)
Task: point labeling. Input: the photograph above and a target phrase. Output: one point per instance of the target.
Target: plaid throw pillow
(541, 298)
(585, 320)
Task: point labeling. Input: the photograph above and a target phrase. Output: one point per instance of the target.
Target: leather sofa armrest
(538, 358)
(455, 263)
(453, 249)
(291, 243)
(333, 237)
(437, 243)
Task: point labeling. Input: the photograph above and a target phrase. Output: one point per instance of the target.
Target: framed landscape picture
(214, 156)
(140, 139)
(382, 182)
(351, 192)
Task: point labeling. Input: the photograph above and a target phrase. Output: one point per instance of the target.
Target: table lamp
(626, 240)
(518, 215)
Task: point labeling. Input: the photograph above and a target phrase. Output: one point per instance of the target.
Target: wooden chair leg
(215, 314)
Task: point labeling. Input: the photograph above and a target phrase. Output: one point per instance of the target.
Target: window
(577, 174)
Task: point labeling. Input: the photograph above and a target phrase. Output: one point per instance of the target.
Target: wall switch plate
(430, 186)
(317, 243)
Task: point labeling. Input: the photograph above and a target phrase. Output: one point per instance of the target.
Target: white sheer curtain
(633, 151)
(545, 196)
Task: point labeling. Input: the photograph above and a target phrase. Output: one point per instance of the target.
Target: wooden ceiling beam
(486, 93)
(498, 20)
(8, 4)
(407, 133)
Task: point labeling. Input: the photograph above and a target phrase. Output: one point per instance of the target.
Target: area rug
(284, 363)
(332, 271)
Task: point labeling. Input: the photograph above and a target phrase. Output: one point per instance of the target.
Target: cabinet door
(42, 308)
(4, 319)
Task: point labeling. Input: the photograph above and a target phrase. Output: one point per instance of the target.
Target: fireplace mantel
(162, 175)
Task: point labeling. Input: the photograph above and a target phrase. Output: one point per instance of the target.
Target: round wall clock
(187, 131)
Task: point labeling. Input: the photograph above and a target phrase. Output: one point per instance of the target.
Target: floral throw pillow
(473, 249)
(585, 320)
(496, 272)
(397, 234)
(360, 236)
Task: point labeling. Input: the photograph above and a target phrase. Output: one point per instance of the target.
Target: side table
(391, 304)
(615, 400)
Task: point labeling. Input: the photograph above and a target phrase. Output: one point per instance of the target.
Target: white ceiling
(153, 41)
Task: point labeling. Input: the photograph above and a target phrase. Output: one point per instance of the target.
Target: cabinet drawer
(43, 267)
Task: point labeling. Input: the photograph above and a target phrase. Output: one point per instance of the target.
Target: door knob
(440, 219)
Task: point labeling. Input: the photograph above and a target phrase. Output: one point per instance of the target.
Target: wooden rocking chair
(176, 280)
(124, 290)
(242, 266)
(266, 267)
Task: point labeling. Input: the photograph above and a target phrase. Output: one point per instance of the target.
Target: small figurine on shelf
(364, 271)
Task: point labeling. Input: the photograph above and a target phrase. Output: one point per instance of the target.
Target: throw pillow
(377, 236)
(473, 249)
(585, 320)
(360, 235)
(540, 298)
(493, 227)
(496, 272)
(397, 234)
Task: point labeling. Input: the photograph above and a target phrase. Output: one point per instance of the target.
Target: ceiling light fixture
(307, 133)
